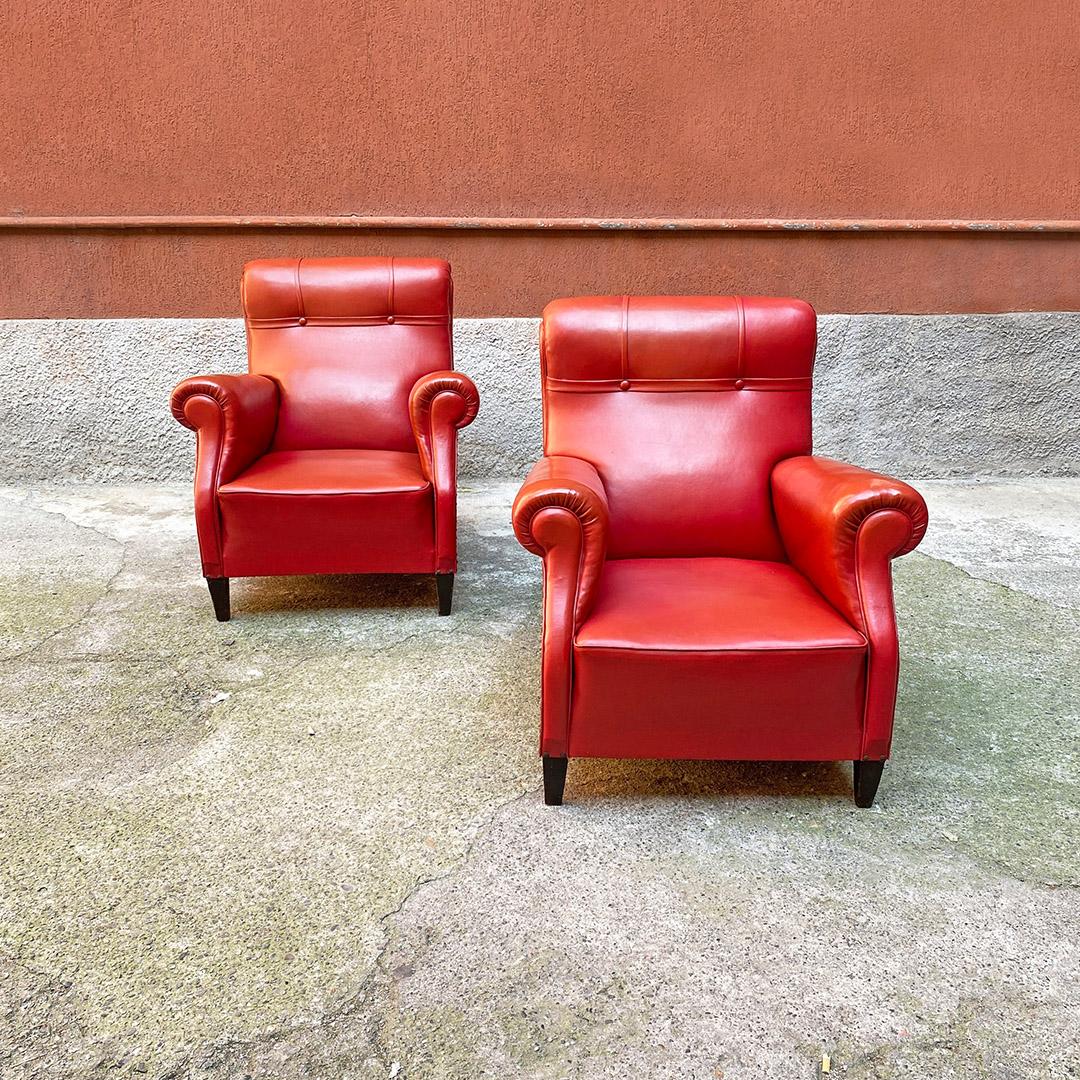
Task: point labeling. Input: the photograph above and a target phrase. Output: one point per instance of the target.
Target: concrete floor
(311, 842)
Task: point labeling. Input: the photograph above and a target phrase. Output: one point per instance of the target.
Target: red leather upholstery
(842, 526)
(337, 454)
(561, 513)
(234, 416)
(346, 340)
(711, 589)
(712, 606)
(746, 653)
(684, 405)
(440, 403)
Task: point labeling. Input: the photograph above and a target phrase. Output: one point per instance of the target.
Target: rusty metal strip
(522, 224)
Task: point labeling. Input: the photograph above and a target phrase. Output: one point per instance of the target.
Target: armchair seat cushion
(329, 472)
(715, 658)
(711, 605)
(329, 512)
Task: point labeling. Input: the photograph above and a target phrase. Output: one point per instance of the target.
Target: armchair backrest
(345, 340)
(684, 404)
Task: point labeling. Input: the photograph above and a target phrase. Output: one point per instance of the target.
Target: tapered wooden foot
(867, 776)
(554, 779)
(445, 585)
(219, 593)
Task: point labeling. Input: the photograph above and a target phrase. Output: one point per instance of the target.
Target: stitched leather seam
(544, 387)
(659, 386)
(626, 339)
(431, 451)
(346, 320)
(573, 612)
(228, 492)
(218, 454)
(449, 315)
(866, 634)
(390, 295)
(889, 557)
(574, 619)
(742, 650)
(299, 289)
(543, 645)
(573, 629)
(862, 608)
(693, 379)
(742, 333)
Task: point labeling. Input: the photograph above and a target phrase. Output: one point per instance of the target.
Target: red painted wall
(773, 108)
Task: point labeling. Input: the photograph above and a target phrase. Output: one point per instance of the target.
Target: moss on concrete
(310, 842)
(986, 751)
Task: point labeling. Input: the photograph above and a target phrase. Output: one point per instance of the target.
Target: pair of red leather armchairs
(711, 589)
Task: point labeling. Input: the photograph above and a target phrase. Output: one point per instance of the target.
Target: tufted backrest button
(301, 321)
(739, 384)
(624, 385)
(389, 318)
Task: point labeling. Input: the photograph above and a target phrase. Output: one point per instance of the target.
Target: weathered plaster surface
(919, 395)
(311, 843)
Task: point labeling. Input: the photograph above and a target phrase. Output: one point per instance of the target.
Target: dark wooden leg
(219, 593)
(867, 776)
(445, 584)
(554, 779)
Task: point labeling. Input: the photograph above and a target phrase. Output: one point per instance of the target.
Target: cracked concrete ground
(311, 842)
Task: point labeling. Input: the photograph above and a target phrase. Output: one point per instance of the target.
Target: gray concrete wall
(916, 395)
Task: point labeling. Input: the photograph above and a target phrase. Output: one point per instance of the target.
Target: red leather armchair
(711, 589)
(336, 454)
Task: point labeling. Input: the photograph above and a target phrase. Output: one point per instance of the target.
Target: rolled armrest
(234, 414)
(234, 417)
(837, 519)
(563, 503)
(440, 400)
(440, 403)
(561, 513)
